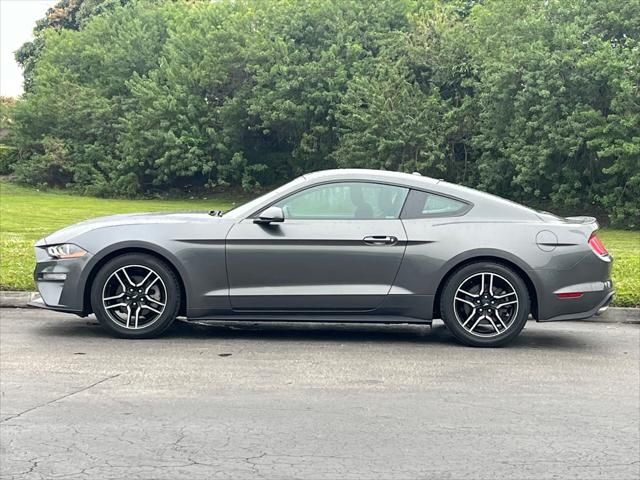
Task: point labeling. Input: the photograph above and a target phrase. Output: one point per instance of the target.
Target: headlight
(65, 250)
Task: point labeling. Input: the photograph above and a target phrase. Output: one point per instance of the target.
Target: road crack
(80, 390)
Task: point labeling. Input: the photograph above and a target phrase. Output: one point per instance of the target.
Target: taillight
(597, 246)
(569, 295)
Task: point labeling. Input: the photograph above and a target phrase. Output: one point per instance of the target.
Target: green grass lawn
(27, 215)
(625, 248)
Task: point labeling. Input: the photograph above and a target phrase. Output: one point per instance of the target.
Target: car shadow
(436, 334)
(328, 332)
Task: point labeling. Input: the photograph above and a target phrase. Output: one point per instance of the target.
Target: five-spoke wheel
(136, 296)
(485, 304)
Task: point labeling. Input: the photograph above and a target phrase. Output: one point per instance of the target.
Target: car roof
(485, 201)
(370, 174)
(485, 205)
(412, 180)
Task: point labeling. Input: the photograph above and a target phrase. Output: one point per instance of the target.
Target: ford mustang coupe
(334, 246)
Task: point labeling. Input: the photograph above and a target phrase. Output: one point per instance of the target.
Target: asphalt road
(316, 402)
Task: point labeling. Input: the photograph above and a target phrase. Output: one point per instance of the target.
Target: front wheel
(485, 304)
(135, 296)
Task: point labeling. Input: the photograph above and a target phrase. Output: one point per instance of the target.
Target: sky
(17, 19)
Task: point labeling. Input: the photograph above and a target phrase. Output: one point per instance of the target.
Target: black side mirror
(270, 215)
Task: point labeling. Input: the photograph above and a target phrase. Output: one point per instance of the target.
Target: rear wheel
(485, 304)
(135, 296)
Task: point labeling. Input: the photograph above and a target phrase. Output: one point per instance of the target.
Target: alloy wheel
(486, 304)
(134, 296)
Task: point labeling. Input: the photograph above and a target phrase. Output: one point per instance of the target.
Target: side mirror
(270, 215)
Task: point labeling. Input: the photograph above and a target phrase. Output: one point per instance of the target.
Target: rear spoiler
(590, 221)
(583, 220)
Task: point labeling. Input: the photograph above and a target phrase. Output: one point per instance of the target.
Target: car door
(339, 248)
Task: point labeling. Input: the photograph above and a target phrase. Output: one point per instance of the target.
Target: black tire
(498, 326)
(115, 319)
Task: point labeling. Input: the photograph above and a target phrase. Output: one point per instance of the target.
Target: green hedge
(533, 100)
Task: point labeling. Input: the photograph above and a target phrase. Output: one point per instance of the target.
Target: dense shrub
(537, 101)
(8, 158)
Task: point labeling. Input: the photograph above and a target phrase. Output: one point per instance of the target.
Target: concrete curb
(10, 299)
(618, 315)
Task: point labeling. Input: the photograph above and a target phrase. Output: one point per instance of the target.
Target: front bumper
(60, 282)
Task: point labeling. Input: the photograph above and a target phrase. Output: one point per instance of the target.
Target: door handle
(380, 240)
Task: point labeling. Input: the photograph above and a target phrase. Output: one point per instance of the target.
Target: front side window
(423, 204)
(345, 201)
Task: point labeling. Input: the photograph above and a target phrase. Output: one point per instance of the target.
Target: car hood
(68, 233)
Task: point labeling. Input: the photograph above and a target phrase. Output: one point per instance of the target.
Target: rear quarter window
(424, 205)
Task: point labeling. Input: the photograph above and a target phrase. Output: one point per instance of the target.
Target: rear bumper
(577, 292)
(600, 308)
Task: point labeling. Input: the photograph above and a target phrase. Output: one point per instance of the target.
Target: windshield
(244, 210)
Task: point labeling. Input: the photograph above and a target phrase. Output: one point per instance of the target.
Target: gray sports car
(334, 246)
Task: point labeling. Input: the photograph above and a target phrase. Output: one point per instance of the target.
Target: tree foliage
(7, 153)
(129, 97)
(66, 14)
(7, 106)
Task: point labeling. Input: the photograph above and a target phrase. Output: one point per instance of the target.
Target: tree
(80, 94)
(140, 96)
(558, 104)
(66, 14)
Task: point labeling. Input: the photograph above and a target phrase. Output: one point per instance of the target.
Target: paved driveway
(317, 402)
